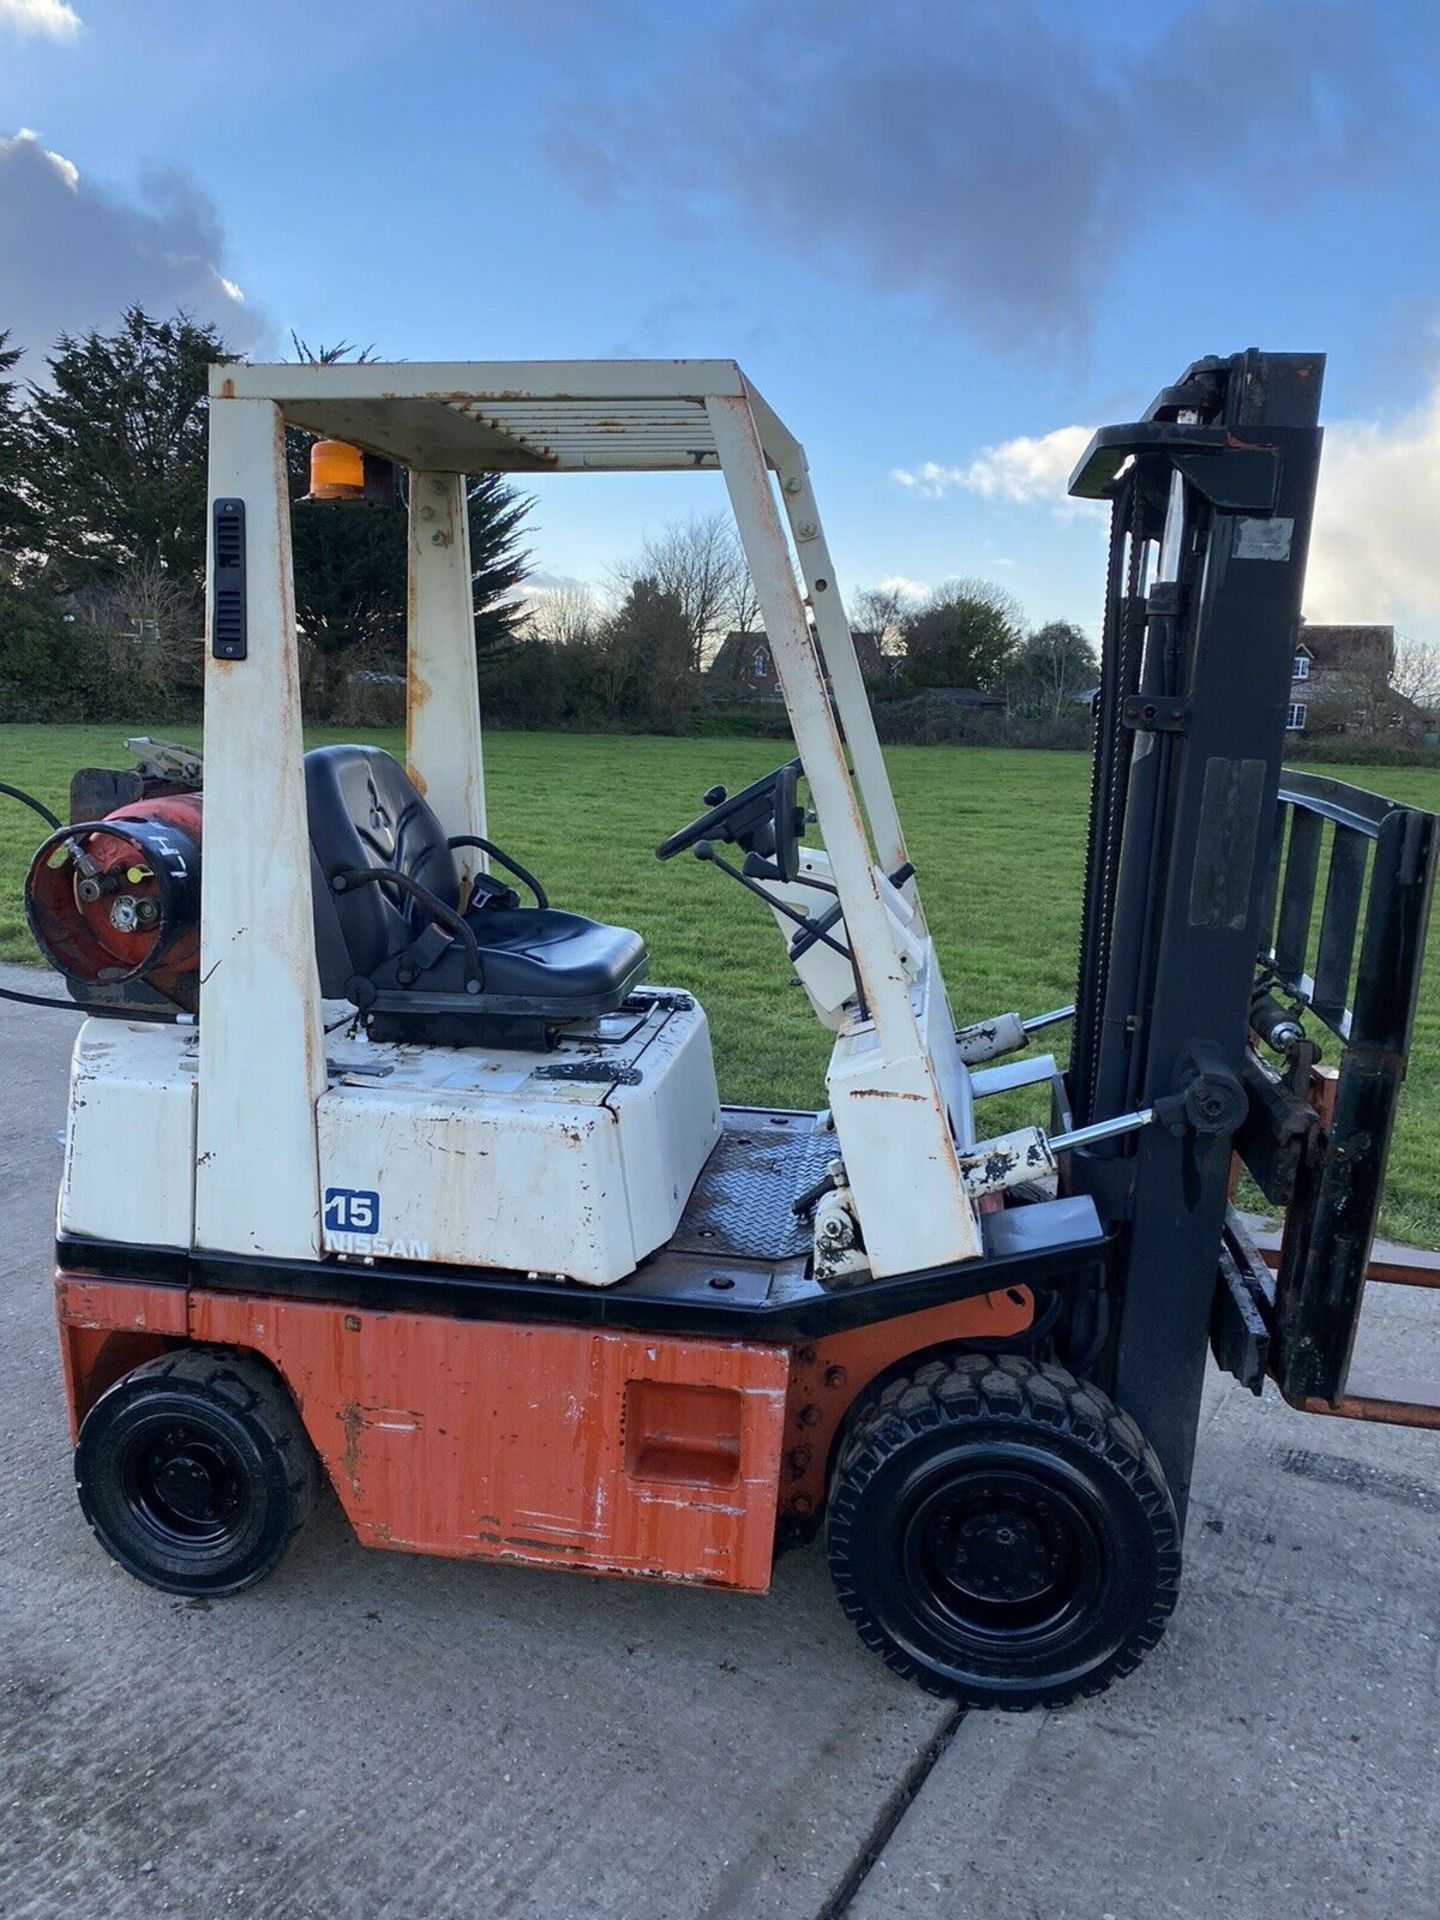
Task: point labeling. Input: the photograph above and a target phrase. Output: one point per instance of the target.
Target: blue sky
(937, 236)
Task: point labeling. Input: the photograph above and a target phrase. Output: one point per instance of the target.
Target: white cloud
(900, 583)
(1017, 472)
(40, 19)
(930, 479)
(542, 581)
(1374, 552)
(1028, 468)
(76, 255)
(67, 169)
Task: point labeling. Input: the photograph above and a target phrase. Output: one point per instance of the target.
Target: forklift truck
(383, 1171)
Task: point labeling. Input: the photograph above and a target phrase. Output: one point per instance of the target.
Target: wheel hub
(189, 1486)
(1000, 1554)
(182, 1481)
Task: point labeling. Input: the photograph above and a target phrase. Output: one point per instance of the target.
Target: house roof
(730, 656)
(726, 664)
(962, 697)
(1337, 647)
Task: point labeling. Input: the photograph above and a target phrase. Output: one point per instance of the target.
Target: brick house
(1327, 657)
(745, 665)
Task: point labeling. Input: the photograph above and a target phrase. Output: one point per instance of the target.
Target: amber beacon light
(337, 471)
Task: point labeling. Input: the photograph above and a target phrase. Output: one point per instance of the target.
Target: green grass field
(997, 837)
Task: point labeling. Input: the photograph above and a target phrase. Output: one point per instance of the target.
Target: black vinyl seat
(502, 972)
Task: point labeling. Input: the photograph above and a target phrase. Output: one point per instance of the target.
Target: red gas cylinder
(119, 899)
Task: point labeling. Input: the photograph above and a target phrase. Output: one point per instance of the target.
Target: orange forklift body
(551, 1445)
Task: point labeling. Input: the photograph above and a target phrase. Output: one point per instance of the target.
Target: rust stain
(883, 1093)
(522, 1543)
(352, 1420)
(418, 689)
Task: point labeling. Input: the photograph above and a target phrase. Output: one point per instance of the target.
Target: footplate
(743, 1205)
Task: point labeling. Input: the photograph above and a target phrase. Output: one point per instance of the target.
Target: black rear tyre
(195, 1472)
(1001, 1533)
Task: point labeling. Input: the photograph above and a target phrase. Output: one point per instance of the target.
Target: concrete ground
(402, 1739)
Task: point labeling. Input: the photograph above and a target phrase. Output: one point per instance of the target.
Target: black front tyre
(195, 1472)
(1001, 1533)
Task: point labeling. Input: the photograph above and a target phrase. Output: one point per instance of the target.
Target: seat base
(544, 970)
(472, 1024)
(531, 1022)
(577, 1162)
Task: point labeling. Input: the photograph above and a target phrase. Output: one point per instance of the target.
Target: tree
(1051, 668)
(117, 440)
(351, 566)
(43, 676)
(351, 563)
(740, 605)
(964, 635)
(17, 516)
(1373, 692)
(1416, 677)
(883, 612)
(701, 563)
(644, 657)
(560, 617)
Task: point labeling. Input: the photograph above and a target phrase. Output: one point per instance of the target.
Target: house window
(760, 663)
(1302, 667)
(1295, 718)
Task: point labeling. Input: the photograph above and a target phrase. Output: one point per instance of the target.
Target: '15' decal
(351, 1210)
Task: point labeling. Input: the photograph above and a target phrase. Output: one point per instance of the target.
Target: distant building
(1325, 657)
(970, 697)
(745, 661)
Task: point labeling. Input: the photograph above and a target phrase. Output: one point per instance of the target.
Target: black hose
(150, 1014)
(29, 800)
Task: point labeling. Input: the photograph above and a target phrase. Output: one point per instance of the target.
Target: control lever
(759, 868)
(813, 930)
(705, 850)
(807, 1201)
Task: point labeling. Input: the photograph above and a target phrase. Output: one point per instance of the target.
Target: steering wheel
(762, 818)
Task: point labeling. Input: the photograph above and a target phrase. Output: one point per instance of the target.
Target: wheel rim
(1005, 1562)
(184, 1483)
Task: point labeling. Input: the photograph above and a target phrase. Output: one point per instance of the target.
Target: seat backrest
(365, 812)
